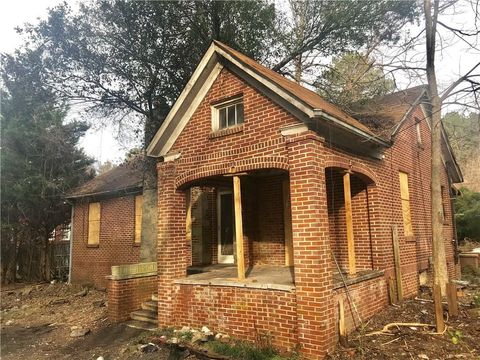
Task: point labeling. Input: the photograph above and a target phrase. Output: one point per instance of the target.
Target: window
(138, 218)
(419, 131)
(405, 197)
(228, 114)
(93, 223)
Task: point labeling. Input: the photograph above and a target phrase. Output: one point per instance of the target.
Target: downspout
(71, 243)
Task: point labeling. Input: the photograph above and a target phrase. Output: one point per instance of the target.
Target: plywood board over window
(405, 197)
(138, 218)
(94, 223)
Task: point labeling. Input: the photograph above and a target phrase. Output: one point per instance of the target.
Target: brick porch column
(173, 254)
(311, 245)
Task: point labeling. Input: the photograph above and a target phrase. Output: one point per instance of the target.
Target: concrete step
(150, 305)
(154, 297)
(144, 315)
(141, 325)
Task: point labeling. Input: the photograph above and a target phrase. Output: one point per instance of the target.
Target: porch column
(237, 196)
(349, 223)
(311, 245)
(173, 253)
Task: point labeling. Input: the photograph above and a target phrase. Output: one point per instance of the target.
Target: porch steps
(145, 318)
(150, 305)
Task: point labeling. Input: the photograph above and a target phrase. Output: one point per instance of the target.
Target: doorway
(226, 225)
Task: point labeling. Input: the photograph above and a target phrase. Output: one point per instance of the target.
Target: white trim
(215, 110)
(171, 157)
(293, 129)
(223, 259)
(269, 84)
(198, 71)
(213, 54)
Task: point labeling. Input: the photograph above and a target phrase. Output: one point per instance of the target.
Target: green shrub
(467, 215)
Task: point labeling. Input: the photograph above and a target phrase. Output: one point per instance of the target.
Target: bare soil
(418, 342)
(36, 321)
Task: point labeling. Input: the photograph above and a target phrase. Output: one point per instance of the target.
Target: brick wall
(127, 295)
(360, 217)
(258, 144)
(242, 312)
(370, 297)
(91, 264)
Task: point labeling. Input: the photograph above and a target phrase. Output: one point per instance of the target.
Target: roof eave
(319, 113)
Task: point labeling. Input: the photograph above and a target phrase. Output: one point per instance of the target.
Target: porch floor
(258, 276)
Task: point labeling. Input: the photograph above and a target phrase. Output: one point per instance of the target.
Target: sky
(101, 144)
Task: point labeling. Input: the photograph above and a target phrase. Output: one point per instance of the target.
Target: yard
(38, 321)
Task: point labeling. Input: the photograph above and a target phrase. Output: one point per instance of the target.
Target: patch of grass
(245, 351)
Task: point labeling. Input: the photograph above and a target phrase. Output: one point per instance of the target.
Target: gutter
(125, 191)
(319, 113)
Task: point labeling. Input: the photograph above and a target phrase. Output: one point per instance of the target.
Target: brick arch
(359, 170)
(257, 163)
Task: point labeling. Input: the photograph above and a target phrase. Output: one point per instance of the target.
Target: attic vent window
(227, 114)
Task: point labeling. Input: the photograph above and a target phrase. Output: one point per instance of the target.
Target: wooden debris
(386, 328)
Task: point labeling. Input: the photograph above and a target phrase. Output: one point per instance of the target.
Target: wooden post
(391, 291)
(437, 300)
(349, 223)
(287, 223)
(188, 218)
(452, 300)
(396, 256)
(342, 330)
(237, 195)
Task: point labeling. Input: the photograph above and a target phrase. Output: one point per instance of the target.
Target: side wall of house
(92, 263)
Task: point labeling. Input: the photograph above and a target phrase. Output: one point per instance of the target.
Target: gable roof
(385, 114)
(124, 178)
(306, 104)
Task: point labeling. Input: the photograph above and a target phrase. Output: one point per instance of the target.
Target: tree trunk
(440, 274)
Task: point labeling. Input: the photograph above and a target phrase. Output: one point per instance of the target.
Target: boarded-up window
(94, 223)
(405, 196)
(138, 218)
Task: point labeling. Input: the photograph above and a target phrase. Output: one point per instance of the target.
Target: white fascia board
(319, 113)
(267, 83)
(180, 100)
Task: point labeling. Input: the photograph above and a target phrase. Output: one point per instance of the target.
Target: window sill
(410, 238)
(227, 131)
(92, 245)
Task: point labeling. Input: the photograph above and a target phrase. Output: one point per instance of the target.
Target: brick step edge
(144, 315)
(142, 325)
(150, 305)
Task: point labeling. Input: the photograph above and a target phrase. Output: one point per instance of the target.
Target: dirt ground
(36, 322)
(461, 339)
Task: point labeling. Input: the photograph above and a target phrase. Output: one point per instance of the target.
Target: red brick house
(106, 223)
(265, 191)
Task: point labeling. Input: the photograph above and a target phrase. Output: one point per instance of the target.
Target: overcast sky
(101, 144)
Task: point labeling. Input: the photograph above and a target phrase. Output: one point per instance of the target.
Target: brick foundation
(245, 313)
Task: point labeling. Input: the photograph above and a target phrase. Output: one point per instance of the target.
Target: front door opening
(226, 223)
